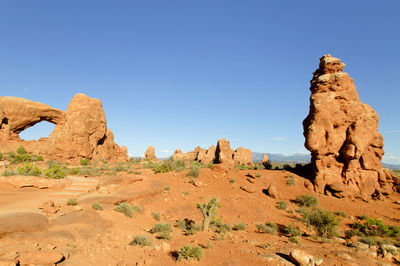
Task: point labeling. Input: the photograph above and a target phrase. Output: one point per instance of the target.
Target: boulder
(40, 257)
(342, 134)
(223, 152)
(243, 156)
(149, 154)
(80, 132)
(301, 258)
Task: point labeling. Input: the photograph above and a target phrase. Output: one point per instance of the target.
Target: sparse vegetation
(281, 205)
(294, 239)
(291, 182)
(56, 171)
(125, 208)
(194, 171)
(97, 206)
(370, 241)
(190, 253)
(209, 211)
(374, 227)
(72, 202)
(29, 170)
(258, 175)
(163, 231)
(232, 181)
(341, 214)
(156, 216)
(165, 166)
(142, 241)
(167, 188)
(220, 227)
(188, 226)
(290, 230)
(240, 226)
(324, 222)
(269, 228)
(84, 161)
(306, 201)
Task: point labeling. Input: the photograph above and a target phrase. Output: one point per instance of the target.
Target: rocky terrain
(76, 198)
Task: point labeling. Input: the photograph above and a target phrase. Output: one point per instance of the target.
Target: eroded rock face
(80, 132)
(342, 134)
(206, 156)
(149, 154)
(243, 156)
(223, 153)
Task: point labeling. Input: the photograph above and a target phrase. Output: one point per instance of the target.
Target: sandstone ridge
(80, 131)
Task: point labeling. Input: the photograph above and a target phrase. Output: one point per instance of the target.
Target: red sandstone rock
(223, 153)
(243, 156)
(149, 154)
(342, 134)
(265, 159)
(80, 132)
(206, 156)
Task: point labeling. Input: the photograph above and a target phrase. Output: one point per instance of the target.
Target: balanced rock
(149, 154)
(80, 132)
(342, 134)
(265, 159)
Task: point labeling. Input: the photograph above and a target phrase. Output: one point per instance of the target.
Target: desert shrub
(141, 241)
(72, 202)
(351, 233)
(163, 231)
(97, 206)
(21, 151)
(84, 161)
(1, 155)
(9, 172)
(135, 160)
(370, 241)
(73, 171)
(165, 166)
(258, 175)
(190, 253)
(269, 228)
(232, 181)
(125, 208)
(376, 227)
(294, 239)
(281, 205)
(188, 226)
(55, 172)
(191, 181)
(306, 200)
(209, 211)
(156, 215)
(290, 230)
(220, 227)
(240, 226)
(363, 217)
(136, 208)
(29, 169)
(167, 188)
(291, 182)
(194, 171)
(324, 222)
(341, 214)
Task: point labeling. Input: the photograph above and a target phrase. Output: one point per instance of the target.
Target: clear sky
(177, 74)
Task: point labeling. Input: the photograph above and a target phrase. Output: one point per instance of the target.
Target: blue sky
(177, 74)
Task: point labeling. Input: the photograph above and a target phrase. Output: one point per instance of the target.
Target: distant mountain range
(300, 158)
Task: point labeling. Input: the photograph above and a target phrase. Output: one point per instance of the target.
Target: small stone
(248, 188)
(251, 180)
(273, 192)
(77, 208)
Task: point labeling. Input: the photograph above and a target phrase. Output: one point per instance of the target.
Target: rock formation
(342, 134)
(222, 154)
(80, 132)
(265, 159)
(149, 154)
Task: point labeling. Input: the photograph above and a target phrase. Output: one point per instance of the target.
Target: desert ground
(75, 231)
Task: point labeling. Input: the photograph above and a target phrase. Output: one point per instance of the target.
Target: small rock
(272, 259)
(77, 208)
(50, 246)
(251, 180)
(397, 202)
(199, 184)
(273, 192)
(302, 258)
(249, 189)
(41, 258)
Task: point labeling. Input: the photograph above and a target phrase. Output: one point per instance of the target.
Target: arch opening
(40, 130)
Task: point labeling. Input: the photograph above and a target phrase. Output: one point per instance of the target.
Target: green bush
(370, 241)
(97, 206)
(281, 205)
(9, 173)
(72, 202)
(209, 211)
(306, 200)
(232, 181)
(190, 253)
(188, 226)
(84, 161)
(163, 231)
(125, 208)
(376, 227)
(341, 214)
(240, 226)
(167, 188)
(194, 171)
(290, 230)
(220, 227)
(141, 241)
(269, 228)
(21, 151)
(294, 239)
(291, 182)
(324, 222)
(29, 169)
(156, 215)
(55, 172)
